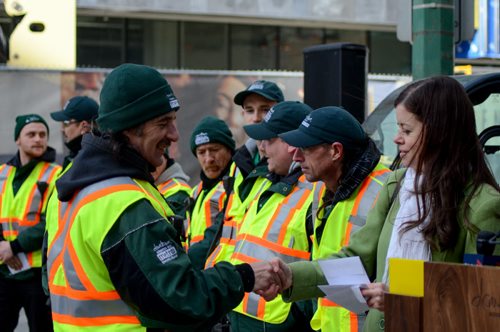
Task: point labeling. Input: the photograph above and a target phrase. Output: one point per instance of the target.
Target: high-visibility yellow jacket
(82, 294)
(233, 214)
(173, 186)
(208, 204)
(274, 228)
(25, 210)
(346, 217)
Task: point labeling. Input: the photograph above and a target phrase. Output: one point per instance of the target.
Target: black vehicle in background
(484, 92)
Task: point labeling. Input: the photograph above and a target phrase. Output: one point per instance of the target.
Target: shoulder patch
(165, 251)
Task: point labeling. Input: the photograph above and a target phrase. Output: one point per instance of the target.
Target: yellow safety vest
(206, 208)
(25, 209)
(278, 229)
(170, 188)
(346, 217)
(173, 186)
(233, 216)
(82, 295)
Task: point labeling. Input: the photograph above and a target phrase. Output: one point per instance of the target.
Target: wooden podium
(456, 297)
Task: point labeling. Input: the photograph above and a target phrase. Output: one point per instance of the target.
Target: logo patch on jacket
(165, 251)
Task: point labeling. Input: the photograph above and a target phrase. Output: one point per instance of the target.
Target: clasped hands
(7, 256)
(275, 276)
(271, 278)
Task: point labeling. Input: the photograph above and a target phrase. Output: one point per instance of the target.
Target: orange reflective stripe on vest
(171, 184)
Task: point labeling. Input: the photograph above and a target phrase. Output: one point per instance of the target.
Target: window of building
(253, 47)
(100, 42)
(108, 42)
(204, 46)
(161, 44)
(346, 36)
(292, 43)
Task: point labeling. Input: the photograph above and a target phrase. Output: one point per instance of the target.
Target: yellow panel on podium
(406, 277)
(46, 35)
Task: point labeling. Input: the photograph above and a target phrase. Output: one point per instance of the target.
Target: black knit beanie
(23, 120)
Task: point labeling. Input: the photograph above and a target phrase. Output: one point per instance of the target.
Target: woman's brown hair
(450, 156)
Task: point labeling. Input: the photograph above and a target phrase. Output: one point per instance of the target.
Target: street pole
(433, 41)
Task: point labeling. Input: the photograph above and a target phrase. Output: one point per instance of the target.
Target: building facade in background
(231, 34)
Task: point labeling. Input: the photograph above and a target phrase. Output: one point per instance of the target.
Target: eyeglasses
(67, 123)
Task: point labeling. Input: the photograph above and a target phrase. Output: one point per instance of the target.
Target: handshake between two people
(275, 276)
(271, 278)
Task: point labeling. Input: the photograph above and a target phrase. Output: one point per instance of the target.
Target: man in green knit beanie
(26, 183)
(213, 145)
(113, 254)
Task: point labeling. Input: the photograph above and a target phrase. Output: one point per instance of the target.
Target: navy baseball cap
(80, 108)
(282, 117)
(266, 89)
(327, 125)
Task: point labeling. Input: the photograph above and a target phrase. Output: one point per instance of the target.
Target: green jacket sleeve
(177, 202)
(154, 275)
(484, 215)
(31, 238)
(199, 251)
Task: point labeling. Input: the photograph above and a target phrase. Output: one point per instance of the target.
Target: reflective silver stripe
(285, 209)
(70, 273)
(317, 190)
(48, 173)
(57, 245)
(89, 308)
(172, 183)
(228, 231)
(3, 175)
(259, 252)
(368, 198)
(196, 191)
(253, 304)
(236, 172)
(214, 201)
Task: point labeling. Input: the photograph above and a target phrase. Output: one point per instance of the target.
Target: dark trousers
(27, 294)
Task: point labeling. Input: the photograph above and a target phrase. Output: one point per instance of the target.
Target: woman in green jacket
(443, 198)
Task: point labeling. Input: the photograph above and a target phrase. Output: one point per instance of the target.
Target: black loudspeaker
(336, 75)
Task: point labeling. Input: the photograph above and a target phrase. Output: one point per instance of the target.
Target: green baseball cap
(80, 108)
(282, 117)
(266, 89)
(327, 125)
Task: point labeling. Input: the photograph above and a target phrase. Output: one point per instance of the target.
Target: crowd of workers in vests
(117, 240)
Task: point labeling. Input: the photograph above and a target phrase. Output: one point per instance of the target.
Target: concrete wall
(372, 14)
